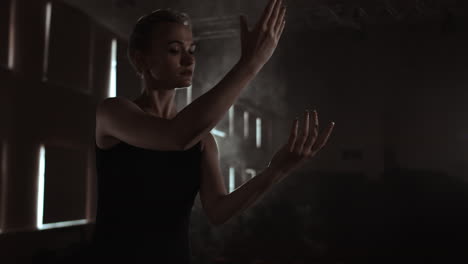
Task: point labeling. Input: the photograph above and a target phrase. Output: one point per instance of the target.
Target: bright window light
(250, 172)
(11, 36)
(246, 124)
(218, 133)
(40, 199)
(64, 224)
(259, 132)
(113, 70)
(232, 179)
(46, 44)
(231, 121)
(40, 189)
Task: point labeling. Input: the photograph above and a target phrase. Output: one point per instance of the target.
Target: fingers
(323, 139)
(293, 135)
(299, 146)
(308, 143)
(274, 17)
(267, 13)
(278, 36)
(316, 121)
(280, 22)
(313, 133)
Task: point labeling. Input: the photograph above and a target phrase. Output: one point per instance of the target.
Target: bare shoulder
(127, 121)
(104, 108)
(209, 143)
(111, 102)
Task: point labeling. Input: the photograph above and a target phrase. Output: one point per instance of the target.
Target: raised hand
(259, 44)
(300, 148)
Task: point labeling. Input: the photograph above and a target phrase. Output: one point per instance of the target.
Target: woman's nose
(188, 59)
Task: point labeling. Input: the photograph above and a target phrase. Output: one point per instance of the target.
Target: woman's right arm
(200, 116)
(122, 119)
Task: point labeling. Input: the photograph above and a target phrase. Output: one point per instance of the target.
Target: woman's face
(171, 60)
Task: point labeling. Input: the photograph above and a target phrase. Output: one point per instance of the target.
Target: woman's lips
(187, 73)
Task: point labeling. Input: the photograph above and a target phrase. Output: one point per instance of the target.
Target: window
(232, 179)
(218, 133)
(259, 132)
(113, 70)
(61, 193)
(246, 125)
(40, 189)
(231, 121)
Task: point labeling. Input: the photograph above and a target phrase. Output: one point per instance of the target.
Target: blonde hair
(141, 36)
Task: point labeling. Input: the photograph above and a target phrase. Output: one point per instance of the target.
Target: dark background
(391, 185)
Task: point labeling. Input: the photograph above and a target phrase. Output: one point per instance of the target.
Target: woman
(151, 161)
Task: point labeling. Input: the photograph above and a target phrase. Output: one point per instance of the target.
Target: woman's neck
(160, 103)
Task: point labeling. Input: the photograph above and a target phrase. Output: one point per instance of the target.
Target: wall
(52, 80)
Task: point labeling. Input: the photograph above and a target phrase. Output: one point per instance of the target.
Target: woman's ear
(140, 62)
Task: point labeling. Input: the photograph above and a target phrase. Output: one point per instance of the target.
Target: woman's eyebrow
(180, 42)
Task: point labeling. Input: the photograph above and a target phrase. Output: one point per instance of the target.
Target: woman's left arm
(221, 206)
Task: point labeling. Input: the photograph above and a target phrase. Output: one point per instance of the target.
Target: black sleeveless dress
(144, 202)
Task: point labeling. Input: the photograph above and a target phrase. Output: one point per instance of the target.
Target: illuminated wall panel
(251, 140)
(232, 179)
(112, 88)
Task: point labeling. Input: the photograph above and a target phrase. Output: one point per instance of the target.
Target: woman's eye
(176, 51)
(192, 50)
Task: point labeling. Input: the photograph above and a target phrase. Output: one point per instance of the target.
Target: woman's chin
(185, 83)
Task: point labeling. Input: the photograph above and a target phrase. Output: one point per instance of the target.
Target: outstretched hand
(259, 44)
(299, 149)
